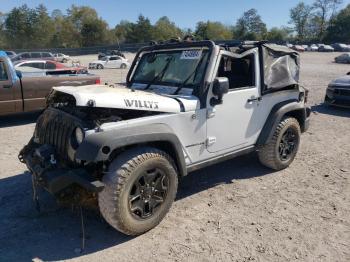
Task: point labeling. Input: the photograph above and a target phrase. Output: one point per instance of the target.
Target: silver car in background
(62, 58)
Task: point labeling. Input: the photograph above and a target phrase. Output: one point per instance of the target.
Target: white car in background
(313, 48)
(59, 57)
(110, 62)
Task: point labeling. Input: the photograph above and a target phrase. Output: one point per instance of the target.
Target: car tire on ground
(99, 66)
(281, 150)
(140, 187)
(123, 66)
(64, 60)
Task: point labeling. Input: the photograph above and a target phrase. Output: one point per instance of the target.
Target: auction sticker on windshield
(191, 54)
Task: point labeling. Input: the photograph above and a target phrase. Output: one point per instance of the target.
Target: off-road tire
(269, 153)
(122, 173)
(122, 66)
(99, 66)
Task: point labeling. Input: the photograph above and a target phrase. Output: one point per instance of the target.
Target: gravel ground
(234, 211)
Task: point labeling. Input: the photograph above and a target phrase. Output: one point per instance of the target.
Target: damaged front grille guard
(25, 156)
(41, 161)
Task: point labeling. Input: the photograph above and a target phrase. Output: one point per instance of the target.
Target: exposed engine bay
(93, 116)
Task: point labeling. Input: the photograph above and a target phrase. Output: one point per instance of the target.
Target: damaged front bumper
(47, 173)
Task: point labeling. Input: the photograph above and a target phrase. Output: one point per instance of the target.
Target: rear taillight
(98, 81)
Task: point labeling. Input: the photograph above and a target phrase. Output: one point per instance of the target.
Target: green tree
(141, 31)
(88, 28)
(122, 30)
(213, 31)
(300, 16)
(250, 26)
(2, 31)
(43, 27)
(339, 31)
(65, 34)
(164, 29)
(278, 35)
(79, 15)
(324, 11)
(18, 24)
(94, 32)
(56, 13)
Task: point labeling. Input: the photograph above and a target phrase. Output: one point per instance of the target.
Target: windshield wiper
(161, 74)
(194, 72)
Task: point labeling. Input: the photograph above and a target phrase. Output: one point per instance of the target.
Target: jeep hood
(124, 98)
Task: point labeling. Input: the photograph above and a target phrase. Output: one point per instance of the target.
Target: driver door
(231, 125)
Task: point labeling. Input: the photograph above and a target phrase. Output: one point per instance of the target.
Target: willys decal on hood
(124, 98)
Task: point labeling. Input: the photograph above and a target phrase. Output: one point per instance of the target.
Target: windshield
(172, 68)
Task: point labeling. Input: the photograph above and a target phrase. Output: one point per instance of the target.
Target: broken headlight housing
(77, 138)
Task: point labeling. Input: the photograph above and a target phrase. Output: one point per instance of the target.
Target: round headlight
(79, 135)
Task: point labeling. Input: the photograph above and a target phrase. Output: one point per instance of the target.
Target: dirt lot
(234, 211)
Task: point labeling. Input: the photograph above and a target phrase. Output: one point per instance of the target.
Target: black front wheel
(140, 187)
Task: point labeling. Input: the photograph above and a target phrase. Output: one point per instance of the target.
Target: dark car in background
(338, 92)
(33, 55)
(325, 48)
(343, 59)
(10, 54)
(341, 47)
(110, 53)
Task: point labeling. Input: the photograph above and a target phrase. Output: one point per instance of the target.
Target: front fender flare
(91, 148)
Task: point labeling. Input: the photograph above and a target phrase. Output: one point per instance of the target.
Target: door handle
(254, 99)
(7, 86)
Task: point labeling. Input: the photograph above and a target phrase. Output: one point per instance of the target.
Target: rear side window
(35, 65)
(35, 55)
(50, 65)
(46, 55)
(3, 72)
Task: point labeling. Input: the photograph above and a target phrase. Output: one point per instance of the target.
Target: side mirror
(19, 74)
(220, 88)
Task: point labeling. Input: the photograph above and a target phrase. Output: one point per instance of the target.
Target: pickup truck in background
(24, 93)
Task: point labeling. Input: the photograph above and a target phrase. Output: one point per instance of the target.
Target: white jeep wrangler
(186, 105)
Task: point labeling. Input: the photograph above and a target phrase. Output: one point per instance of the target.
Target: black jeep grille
(342, 92)
(55, 128)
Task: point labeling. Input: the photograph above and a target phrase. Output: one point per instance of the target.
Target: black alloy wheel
(288, 144)
(148, 193)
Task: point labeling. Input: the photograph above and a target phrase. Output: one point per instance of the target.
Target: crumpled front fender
(99, 146)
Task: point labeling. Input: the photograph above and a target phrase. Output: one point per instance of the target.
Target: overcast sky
(185, 13)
